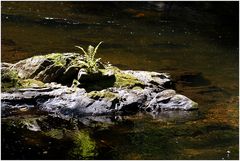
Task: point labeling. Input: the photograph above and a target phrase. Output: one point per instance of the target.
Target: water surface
(196, 42)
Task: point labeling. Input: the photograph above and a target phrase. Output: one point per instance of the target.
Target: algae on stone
(31, 83)
(9, 80)
(137, 88)
(57, 58)
(103, 94)
(126, 80)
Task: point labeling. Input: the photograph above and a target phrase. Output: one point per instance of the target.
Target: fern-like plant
(89, 58)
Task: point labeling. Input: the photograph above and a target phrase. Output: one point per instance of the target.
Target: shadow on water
(196, 42)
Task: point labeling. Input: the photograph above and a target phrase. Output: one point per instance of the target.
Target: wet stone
(110, 91)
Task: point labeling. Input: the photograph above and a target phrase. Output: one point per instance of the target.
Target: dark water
(196, 42)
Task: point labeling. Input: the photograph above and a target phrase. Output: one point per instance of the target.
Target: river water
(195, 42)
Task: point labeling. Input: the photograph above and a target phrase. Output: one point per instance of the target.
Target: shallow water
(197, 43)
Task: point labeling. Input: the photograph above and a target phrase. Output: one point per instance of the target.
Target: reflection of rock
(41, 137)
(192, 79)
(175, 116)
(84, 146)
(119, 92)
(196, 85)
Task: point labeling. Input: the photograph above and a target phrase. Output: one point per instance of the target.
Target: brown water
(180, 38)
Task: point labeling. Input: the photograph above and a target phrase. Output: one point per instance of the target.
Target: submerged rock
(111, 91)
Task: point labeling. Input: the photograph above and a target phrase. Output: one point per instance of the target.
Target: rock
(49, 68)
(6, 65)
(169, 100)
(84, 77)
(64, 102)
(29, 68)
(131, 101)
(125, 79)
(110, 91)
(96, 81)
(69, 74)
(150, 78)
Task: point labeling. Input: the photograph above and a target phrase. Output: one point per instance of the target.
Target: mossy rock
(96, 81)
(103, 94)
(9, 80)
(26, 83)
(58, 58)
(138, 88)
(9, 76)
(108, 77)
(126, 80)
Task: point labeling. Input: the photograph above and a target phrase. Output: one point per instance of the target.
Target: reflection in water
(196, 42)
(84, 147)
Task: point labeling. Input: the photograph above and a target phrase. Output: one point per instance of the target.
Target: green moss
(57, 58)
(109, 68)
(102, 94)
(9, 80)
(194, 105)
(31, 83)
(9, 76)
(84, 146)
(126, 80)
(137, 88)
(116, 79)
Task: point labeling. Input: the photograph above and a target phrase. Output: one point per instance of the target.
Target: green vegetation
(9, 80)
(126, 80)
(89, 57)
(95, 75)
(102, 94)
(57, 58)
(31, 83)
(137, 88)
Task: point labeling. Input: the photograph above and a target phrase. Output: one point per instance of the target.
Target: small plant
(89, 58)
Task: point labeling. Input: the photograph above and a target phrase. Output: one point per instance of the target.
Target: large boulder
(49, 68)
(110, 91)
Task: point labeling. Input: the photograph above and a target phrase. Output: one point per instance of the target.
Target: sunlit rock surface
(113, 92)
